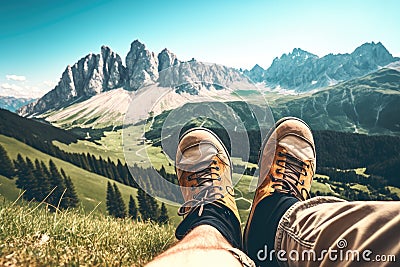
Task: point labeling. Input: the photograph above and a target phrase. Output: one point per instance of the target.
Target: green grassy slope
(90, 187)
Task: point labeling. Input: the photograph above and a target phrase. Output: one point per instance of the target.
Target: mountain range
(13, 103)
(299, 71)
(302, 71)
(369, 105)
(98, 73)
(357, 92)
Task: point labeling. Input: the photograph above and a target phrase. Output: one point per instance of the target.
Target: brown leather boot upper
(287, 163)
(204, 171)
(287, 160)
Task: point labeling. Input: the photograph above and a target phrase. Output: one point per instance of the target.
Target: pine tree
(70, 199)
(110, 199)
(120, 205)
(133, 211)
(6, 165)
(143, 205)
(154, 209)
(38, 186)
(56, 183)
(113, 170)
(163, 172)
(163, 218)
(148, 206)
(44, 183)
(29, 180)
(21, 172)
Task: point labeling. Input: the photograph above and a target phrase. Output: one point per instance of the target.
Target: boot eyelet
(302, 182)
(219, 178)
(220, 188)
(189, 178)
(214, 161)
(217, 168)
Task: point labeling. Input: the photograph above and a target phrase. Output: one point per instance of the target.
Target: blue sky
(38, 39)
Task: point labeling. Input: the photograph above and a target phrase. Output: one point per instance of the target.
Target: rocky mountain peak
(166, 59)
(91, 75)
(299, 55)
(256, 74)
(257, 68)
(303, 71)
(142, 66)
(373, 54)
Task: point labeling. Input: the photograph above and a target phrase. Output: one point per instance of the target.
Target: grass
(109, 146)
(360, 187)
(90, 187)
(8, 188)
(361, 171)
(394, 190)
(112, 146)
(321, 187)
(32, 236)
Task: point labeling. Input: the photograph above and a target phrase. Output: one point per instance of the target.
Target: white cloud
(51, 84)
(22, 91)
(15, 77)
(8, 86)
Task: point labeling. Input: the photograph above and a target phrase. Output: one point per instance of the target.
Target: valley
(131, 114)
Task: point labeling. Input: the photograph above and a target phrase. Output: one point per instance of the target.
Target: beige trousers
(327, 231)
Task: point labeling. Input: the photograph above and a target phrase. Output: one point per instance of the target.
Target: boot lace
(294, 168)
(208, 194)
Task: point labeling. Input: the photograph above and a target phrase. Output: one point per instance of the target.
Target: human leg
(203, 246)
(210, 231)
(285, 227)
(287, 165)
(327, 231)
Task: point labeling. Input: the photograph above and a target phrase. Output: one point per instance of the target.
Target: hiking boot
(287, 163)
(204, 172)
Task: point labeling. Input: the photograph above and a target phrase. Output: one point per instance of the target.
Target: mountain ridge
(299, 70)
(302, 71)
(14, 103)
(98, 73)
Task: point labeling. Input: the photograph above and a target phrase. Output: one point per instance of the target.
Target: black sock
(221, 218)
(261, 235)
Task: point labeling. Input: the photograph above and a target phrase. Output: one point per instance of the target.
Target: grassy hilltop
(32, 236)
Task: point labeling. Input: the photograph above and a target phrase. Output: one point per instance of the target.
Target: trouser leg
(261, 234)
(327, 231)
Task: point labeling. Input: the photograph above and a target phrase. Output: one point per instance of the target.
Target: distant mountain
(98, 73)
(302, 71)
(97, 91)
(370, 104)
(12, 103)
(91, 75)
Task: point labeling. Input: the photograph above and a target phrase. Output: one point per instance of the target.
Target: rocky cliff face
(142, 66)
(298, 70)
(166, 59)
(91, 75)
(193, 76)
(97, 73)
(303, 71)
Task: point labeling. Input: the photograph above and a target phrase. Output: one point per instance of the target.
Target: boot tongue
(196, 158)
